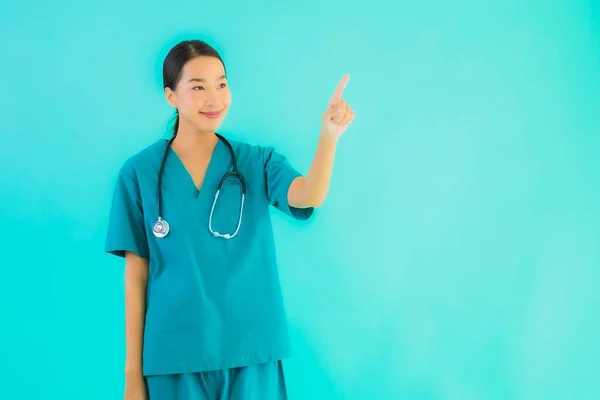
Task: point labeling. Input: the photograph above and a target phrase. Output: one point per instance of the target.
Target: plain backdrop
(457, 255)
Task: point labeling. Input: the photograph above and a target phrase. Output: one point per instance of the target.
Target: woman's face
(202, 96)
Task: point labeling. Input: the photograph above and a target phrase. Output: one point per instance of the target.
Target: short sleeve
(126, 221)
(279, 175)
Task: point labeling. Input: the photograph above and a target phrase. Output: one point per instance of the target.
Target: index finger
(337, 95)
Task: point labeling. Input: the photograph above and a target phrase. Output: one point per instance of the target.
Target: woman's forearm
(312, 190)
(136, 282)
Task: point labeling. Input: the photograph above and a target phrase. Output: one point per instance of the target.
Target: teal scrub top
(211, 303)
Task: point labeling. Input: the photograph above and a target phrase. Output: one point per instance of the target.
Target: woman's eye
(223, 85)
(198, 88)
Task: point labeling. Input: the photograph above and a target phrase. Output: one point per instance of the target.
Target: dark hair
(177, 57)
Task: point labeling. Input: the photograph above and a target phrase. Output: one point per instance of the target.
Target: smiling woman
(204, 312)
(195, 83)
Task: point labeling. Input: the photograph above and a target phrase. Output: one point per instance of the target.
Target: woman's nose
(212, 101)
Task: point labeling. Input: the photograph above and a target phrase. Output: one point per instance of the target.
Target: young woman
(190, 215)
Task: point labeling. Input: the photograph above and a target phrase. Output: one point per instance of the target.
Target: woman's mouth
(212, 114)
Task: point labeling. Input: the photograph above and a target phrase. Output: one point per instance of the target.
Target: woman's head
(195, 83)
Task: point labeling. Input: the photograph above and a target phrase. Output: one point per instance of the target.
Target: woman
(204, 312)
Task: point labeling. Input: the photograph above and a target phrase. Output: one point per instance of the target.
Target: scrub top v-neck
(215, 157)
(211, 303)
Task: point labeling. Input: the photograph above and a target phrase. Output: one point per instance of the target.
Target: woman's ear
(171, 98)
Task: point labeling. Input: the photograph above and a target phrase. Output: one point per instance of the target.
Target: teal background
(457, 255)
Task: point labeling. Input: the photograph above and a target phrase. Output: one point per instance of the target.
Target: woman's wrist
(133, 371)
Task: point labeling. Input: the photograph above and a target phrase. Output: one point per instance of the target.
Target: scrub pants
(254, 382)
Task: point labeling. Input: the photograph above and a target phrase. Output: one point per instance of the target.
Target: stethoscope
(161, 227)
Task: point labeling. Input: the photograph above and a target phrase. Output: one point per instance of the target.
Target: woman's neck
(193, 142)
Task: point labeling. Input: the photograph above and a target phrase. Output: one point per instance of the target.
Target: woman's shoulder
(148, 157)
(249, 150)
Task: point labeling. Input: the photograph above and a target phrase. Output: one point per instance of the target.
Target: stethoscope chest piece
(160, 228)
